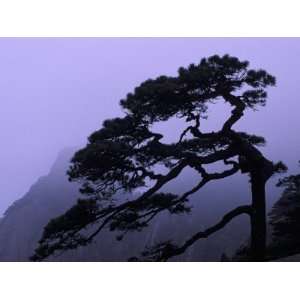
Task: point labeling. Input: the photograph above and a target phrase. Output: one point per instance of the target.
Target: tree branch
(169, 250)
(237, 112)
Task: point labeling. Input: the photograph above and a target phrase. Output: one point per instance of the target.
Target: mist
(55, 92)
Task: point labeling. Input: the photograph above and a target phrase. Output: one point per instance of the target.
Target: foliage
(284, 218)
(124, 155)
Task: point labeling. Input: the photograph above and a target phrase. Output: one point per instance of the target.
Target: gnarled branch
(166, 251)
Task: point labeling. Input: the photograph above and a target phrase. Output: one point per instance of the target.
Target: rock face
(23, 222)
(22, 225)
(284, 219)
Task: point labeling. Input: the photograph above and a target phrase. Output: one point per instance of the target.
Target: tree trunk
(258, 217)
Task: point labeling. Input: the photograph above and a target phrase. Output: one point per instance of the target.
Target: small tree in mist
(285, 219)
(124, 155)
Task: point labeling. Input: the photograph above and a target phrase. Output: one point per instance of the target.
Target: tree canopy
(125, 153)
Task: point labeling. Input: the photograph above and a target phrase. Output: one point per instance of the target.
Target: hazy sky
(55, 92)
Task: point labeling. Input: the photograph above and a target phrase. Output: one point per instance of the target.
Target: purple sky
(55, 92)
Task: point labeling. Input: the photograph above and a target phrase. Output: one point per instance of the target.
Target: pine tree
(124, 155)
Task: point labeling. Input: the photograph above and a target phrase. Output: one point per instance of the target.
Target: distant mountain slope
(51, 195)
(22, 224)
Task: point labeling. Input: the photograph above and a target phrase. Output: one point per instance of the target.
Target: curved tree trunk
(258, 216)
(260, 170)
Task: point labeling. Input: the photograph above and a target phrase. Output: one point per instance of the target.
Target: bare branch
(237, 112)
(206, 177)
(169, 250)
